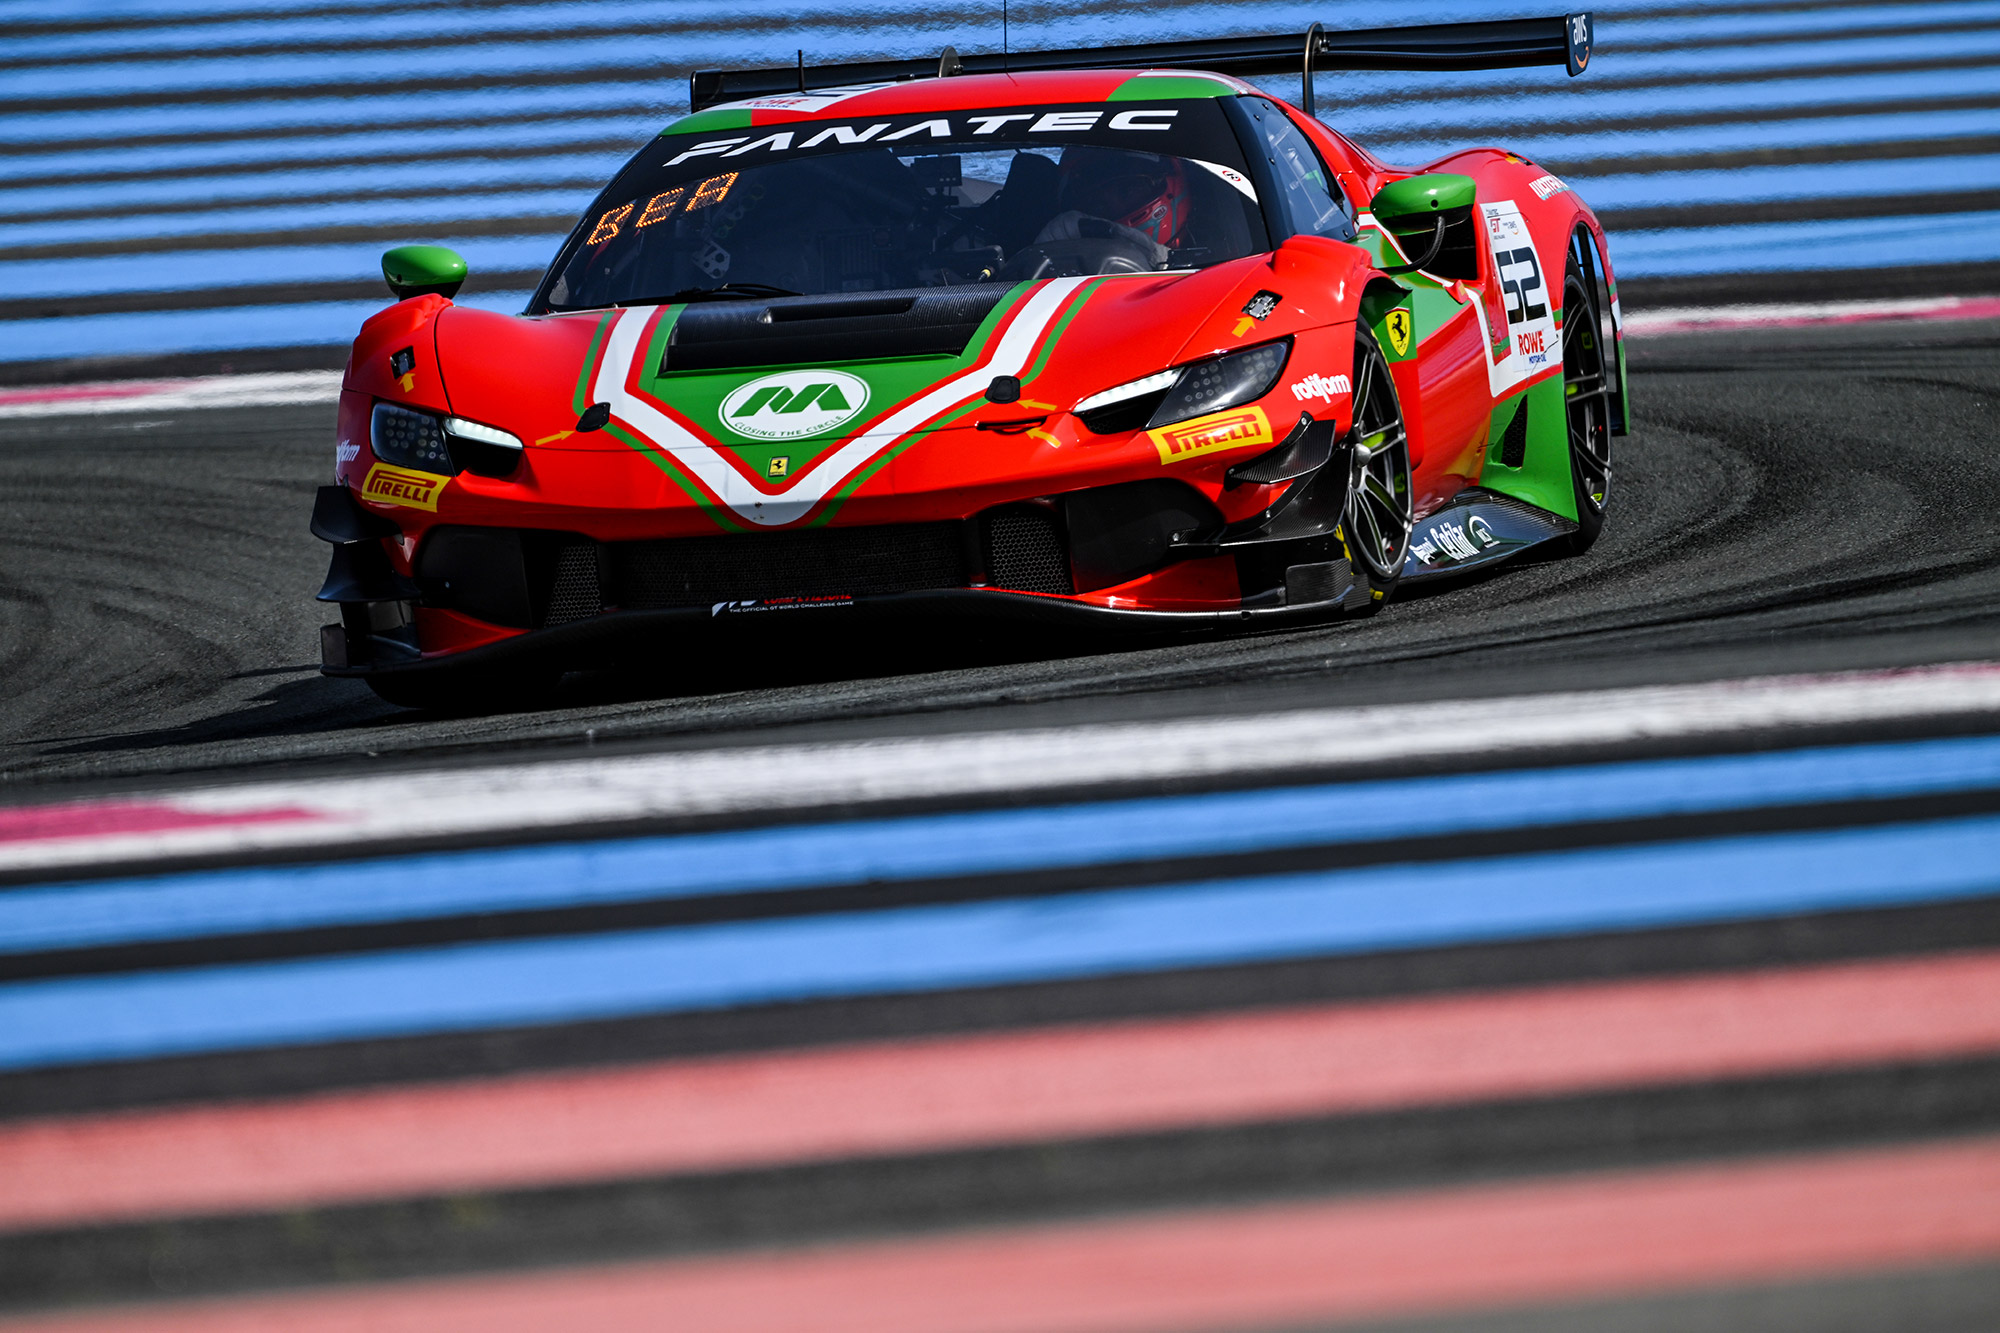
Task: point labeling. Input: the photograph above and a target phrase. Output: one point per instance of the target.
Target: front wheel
(1586, 395)
(1376, 526)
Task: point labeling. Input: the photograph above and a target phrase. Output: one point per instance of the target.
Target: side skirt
(1478, 528)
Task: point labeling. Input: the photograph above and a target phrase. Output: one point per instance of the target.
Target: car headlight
(409, 439)
(486, 450)
(1192, 390)
(405, 437)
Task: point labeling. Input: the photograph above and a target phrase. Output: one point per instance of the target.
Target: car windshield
(1000, 195)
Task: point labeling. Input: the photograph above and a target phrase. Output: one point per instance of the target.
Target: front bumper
(1150, 555)
(628, 637)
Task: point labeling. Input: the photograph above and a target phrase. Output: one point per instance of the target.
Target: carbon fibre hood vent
(805, 330)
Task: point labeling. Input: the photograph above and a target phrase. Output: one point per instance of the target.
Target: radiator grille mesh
(1025, 551)
(1514, 444)
(575, 593)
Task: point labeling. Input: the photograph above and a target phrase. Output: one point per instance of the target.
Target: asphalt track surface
(1667, 1127)
(1789, 500)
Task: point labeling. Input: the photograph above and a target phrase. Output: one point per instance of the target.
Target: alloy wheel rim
(1379, 510)
(1586, 394)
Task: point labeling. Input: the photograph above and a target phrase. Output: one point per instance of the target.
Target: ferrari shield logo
(1397, 326)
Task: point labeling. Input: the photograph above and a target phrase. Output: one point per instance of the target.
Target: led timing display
(663, 206)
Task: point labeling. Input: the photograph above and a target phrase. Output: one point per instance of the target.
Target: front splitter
(601, 640)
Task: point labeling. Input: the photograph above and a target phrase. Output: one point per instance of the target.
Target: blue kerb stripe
(470, 987)
(403, 888)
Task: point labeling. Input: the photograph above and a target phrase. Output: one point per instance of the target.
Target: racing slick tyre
(461, 692)
(1376, 526)
(1586, 394)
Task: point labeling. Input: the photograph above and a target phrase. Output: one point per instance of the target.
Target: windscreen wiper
(729, 291)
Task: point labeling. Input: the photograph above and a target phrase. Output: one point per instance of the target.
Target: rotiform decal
(794, 404)
(1321, 388)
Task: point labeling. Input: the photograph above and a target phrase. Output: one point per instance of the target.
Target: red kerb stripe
(85, 819)
(1432, 1252)
(896, 1097)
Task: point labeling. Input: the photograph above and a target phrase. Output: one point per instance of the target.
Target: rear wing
(1500, 44)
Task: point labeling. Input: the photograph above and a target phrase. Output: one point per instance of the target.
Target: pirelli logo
(399, 486)
(1241, 429)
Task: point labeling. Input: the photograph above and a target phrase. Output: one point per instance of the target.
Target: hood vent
(856, 326)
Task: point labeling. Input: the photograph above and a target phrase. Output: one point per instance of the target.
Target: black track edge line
(1040, 882)
(1606, 956)
(1404, 1148)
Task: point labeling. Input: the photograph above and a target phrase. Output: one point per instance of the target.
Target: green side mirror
(1406, 199)
(416, 270)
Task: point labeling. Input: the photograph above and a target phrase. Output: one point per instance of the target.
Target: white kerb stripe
(581, 792)
(276, 389)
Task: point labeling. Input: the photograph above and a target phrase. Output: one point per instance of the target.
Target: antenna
(1003, 34)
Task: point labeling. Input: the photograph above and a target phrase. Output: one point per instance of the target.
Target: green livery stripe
(580, 400)
(705, 122)
(976, 348)
(1056, 330)
(1431, 305)
(893, 383)
(656, 349)
(876, 464)
(660, 458)
(980, 340)
(1168, 88)
(666, 463)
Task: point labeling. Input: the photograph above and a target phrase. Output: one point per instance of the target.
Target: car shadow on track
(308, 705)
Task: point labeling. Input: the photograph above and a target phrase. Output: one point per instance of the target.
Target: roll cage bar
(1497, 44)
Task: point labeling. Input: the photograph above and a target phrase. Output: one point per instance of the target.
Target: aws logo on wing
(794, 404)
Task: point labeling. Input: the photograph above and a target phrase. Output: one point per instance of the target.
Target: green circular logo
(794, 404)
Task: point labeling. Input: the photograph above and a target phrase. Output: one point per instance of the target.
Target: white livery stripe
(510, 798)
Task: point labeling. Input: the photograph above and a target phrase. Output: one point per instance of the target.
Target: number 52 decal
(1520, 279)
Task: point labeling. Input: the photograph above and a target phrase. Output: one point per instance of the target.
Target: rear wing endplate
(1499, 44)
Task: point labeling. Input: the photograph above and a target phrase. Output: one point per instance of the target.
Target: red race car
(1097, 336)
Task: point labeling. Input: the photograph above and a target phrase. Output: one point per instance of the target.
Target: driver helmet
(1144, 191)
